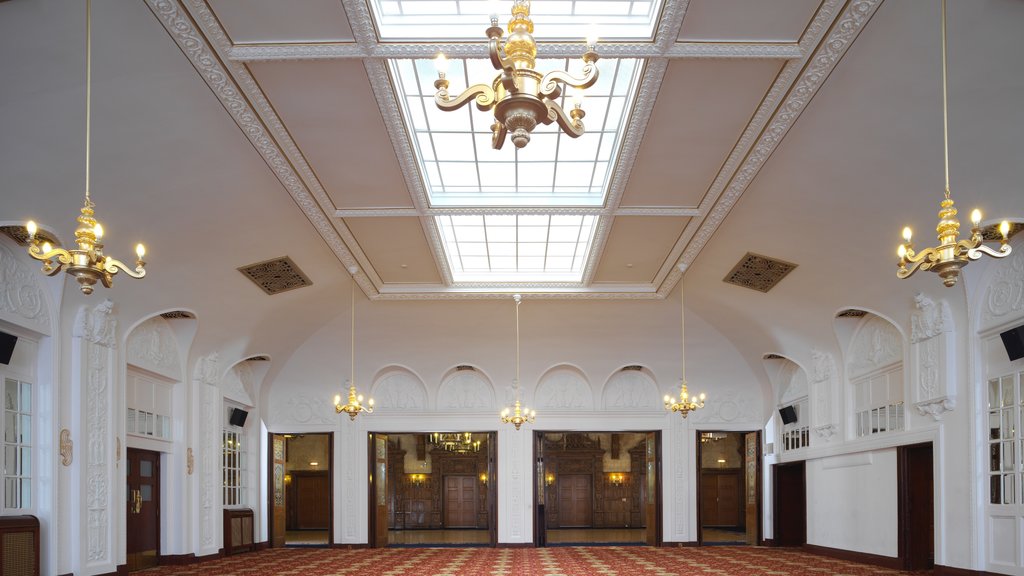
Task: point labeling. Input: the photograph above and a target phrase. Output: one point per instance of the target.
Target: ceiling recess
(773, 357)
(276, 276)
(758, 272)
(260, 358)
(177, 315)
(991, 233)
(852, 313)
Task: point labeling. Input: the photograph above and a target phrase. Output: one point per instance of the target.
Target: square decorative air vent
(20, 235)
(758, 272)
(276, 276)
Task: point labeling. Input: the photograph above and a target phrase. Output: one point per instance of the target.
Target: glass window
(233, 467)
(1005, 441)
(17, 453)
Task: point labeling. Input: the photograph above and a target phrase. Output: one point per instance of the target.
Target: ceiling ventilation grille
(259, 358)
(20, 235)
(177, 315)
(758, 272)
(773, 357)
(464, 367)
(632, 368)
(991, 233)
(852, 313)
(276, 276)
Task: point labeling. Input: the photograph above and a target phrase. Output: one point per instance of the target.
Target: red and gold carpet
(582, 561)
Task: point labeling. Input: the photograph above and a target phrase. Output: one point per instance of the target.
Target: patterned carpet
(582, 561)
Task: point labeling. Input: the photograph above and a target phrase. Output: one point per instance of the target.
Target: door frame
(904, 470)
(270, 483)
(698, 451)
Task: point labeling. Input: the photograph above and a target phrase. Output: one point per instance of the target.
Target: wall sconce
(549, 479)
(417, 479)
(616, 478)
(721, 462)
(287, 479)
(314, 464)
(483, 477)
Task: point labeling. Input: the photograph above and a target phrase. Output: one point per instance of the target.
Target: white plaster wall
(852, 502)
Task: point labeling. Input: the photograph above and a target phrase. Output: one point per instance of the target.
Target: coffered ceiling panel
(746, 20)
(329, 110)
(691, 133)
(637, 247)
(396, 248)
(277, 22)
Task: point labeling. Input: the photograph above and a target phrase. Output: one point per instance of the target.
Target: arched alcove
(564, 387)
(465, 389)
(398, 389)
(631, 388)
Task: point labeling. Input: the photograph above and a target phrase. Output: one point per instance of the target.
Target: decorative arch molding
(877, 342)
(564, 387)
(152, 345)
(23, 300)
(793, 379)
(239, 382)
(631, 389)
(464, 390)
(399, 389)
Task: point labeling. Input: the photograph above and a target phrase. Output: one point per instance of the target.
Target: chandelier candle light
(518, 415)
(686, 403)
(355, 401)
(951, 254)
(87, 263)
(519, 96)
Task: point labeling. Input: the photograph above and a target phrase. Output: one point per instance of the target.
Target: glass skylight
(518, 248)
(454, 148)
(555, 20)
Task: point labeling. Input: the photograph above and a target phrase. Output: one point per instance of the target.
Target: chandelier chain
(88, 93)
(945, 107)
(352, 343)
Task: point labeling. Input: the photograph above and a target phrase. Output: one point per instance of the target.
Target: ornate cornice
(786, 100)
(936, 407)
(504, 210)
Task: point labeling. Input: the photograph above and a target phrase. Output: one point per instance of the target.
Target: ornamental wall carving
(399, 390)
(237, 384)
(1003, 301)
(796, 379)
(465, 391)
(22, 300)
(631, 390)
(564, 388)
(824, 393)
(152, 345)
(877, 343)
(932, 366)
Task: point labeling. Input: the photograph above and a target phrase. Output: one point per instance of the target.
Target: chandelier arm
(572, 128)
(502, 64)
(62, 256)
(113, 266)
(976, 252)
(923, 260)
(482, 93)
(498, 133)
(550, 82)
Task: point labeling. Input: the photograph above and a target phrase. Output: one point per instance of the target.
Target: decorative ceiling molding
(505, 210)
(832, 36)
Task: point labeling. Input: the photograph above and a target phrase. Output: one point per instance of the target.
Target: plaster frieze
(1004, 298)
(936, 407)
(153, 346)
(22, 299)
(930, 319)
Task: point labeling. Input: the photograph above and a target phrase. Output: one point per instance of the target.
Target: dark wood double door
(575, 501)
(460, 501)
(143, 506)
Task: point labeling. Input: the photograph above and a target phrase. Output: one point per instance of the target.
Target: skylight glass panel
(517, 248)
(554, 20)
(459, 166)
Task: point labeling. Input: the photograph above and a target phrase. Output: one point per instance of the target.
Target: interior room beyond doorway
(307, 489)
(730, 492)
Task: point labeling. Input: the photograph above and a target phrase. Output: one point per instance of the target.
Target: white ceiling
(229, 132)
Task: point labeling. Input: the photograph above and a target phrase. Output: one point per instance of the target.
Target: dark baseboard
(261, 545)
(349, 546)
(893, 563)
(515, 545)
(177, 559)
(679, 544)
(951, 571)
(768, 542)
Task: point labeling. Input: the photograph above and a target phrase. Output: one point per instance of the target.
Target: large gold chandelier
(458, 442)
(87, 263)
(518, 415)
(686, 403)
(519, 96)
(355, 400)
(952, 253)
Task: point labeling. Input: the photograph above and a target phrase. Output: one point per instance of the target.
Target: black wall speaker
(788, 414)
(238, 417)
(1013, 341)
(7, 342)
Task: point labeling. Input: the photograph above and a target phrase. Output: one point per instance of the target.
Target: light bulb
(32, 229)
(47, 247)
(504, 412)
(441, 63)
(666, 398)
(1004, 228)
(702, 396)
(359, 398)
(901, 251)
(577, 99)
(98, 230)
(337, 399)
(140, 250)
(493, 7)
(592, 36)
(907, 233)
(976, 217)
(371, 402)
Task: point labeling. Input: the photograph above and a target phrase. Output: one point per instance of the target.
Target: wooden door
(143, 527)
(575, 501)
(312, 500)
(460, 501)
(790, 504)
(278, 501)
(652, 473)
(752, 485)
(720, 498)
(379, 488)
(916, 507)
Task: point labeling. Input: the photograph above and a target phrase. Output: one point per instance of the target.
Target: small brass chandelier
(355, 401)
(518, 415)
(87, 263)
(458, 442)
(952, 253)
(686, 403)
(519, 96)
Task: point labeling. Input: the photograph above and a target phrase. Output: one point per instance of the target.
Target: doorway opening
(729, 491)
(143, 525)
(916, 542)
(790, 505)
(301, 496)
(597, 488)
(433, 489)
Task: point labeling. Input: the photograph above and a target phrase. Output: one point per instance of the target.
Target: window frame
(18, 445)
(1011, 441)
(234, 465)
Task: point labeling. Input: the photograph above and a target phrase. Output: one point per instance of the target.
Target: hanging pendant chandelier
(87, 263)
(457, 442)
(686, 403)
(355, 400)
(952, 253)
(519, 96)
(517, 415)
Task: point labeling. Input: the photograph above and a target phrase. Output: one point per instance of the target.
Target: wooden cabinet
(19, 546)
(238, 530)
